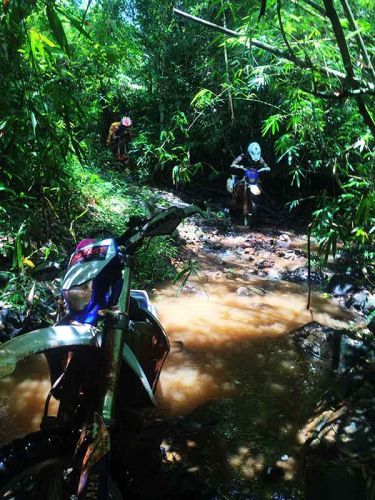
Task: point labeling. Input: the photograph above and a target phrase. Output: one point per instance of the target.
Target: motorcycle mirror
(166, 222)
(46, 271)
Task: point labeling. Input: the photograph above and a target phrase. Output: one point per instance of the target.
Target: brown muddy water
(234, 374)
(234, 386)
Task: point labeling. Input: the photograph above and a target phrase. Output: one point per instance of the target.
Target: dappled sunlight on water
(234, 369)
(22, 398)
(213, 329)
(249, 465)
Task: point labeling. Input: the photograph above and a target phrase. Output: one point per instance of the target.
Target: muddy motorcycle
(105, 358)
(245, 192)
(120, 146)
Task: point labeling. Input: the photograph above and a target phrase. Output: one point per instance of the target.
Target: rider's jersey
(113, 132)
(246, 161)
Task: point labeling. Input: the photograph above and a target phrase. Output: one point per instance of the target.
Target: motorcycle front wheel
(33, 468)
(246, 206)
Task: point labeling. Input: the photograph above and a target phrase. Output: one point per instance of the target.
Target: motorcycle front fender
(70, 336)
(44, 339)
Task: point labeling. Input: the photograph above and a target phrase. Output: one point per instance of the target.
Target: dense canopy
(200, 80)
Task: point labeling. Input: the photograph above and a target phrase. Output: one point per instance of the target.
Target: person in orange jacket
(119, 136)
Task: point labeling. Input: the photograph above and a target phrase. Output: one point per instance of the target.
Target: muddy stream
(234, 387)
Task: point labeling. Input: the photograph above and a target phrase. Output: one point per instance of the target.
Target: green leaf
(19, 252)
(202, 98)
(6, 189)
(43, 38)
(181, 273)
(272, 124)
(77, 23)
(33, 121)
(57, 28)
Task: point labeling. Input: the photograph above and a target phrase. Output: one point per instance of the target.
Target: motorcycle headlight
(79, 296)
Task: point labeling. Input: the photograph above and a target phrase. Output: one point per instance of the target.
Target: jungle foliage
(298, 76)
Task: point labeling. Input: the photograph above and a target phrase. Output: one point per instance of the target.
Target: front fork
(245, 205)
(117, 323)
(94, 445)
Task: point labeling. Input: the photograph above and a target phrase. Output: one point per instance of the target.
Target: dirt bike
(100, 374)
(245, 192)
(120, 148)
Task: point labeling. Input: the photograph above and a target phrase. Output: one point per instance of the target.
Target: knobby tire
(39, 467)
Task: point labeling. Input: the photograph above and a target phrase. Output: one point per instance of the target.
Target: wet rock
(361, 300)
(11, 324)
(265, 263)
(249, 273)
(284, 240)
(351, 293)
(300, 275)
(190, 289)
(340, 439)
(178, 346)
(274, 274)
(242, 291)
(273, 473)
(249, 291)
(316, 341)
(333, 348)
(290, 256)
(340, 284)
(14, 322)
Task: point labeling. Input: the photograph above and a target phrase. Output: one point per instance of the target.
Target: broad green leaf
(202, 94)
(57, 28)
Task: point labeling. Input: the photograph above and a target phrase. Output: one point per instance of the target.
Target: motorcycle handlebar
(163, 223)
(263, 169)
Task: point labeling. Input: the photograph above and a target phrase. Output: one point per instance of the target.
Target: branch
(283, 34)
(340, 37)
(273, 50)
(360, 42)
(341, 94)
(257, 43)
(303, 7)
(345, 55)
(317, 7)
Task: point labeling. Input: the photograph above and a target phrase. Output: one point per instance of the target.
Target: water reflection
(22, 398)
(233, 370)
(213, 332)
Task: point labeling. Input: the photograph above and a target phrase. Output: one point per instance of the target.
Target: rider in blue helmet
(252, 159)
